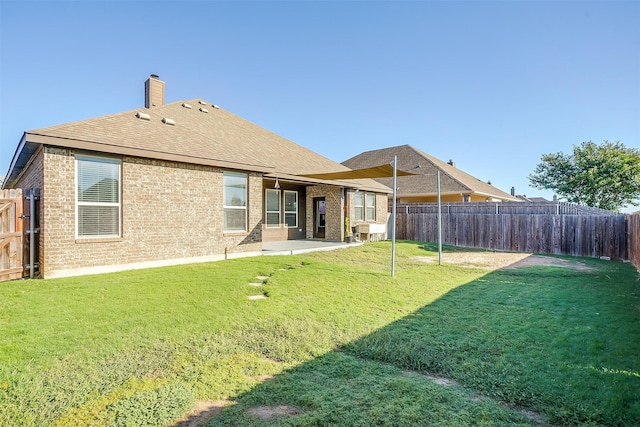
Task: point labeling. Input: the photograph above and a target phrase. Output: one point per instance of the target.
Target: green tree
(606, 176)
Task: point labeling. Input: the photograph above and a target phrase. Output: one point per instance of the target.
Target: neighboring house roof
(203, 134)
(452, 179)
(534, 199)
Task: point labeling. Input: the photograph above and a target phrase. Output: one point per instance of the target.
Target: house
(455, 184)
(176, 183)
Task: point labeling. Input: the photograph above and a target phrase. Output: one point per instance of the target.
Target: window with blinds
(371, 207)
(98, 207)
(291, 208)
(272, 208)
(235, 201)
(358, 202)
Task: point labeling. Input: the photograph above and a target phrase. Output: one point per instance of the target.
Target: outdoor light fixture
(277, 185)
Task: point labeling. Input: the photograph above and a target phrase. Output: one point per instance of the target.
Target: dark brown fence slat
(634, 239)
(563, 230)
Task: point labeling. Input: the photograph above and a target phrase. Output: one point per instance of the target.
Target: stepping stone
(256, 284)
(262, 277)
(255, 297)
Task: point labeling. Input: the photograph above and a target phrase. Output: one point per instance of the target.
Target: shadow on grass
(561, 343)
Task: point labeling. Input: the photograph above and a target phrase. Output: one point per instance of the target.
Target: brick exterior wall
(334, 202)
(171, 213)
(382, 213)
(382, 210)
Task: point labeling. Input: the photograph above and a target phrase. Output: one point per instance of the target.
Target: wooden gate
(11, 235)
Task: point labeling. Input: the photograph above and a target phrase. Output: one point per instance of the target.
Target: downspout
(32, 232)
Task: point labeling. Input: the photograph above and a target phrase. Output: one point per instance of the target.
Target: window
(273, 208)
(291, 208)
(358, 203)
(97, 197)
(235, 201)
(371, 207)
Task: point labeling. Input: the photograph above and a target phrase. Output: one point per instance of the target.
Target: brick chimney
(153, 92)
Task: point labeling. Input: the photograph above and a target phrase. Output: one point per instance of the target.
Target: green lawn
(337, 341)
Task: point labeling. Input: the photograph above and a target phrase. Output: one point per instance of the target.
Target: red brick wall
(334, 202)
(381, 209)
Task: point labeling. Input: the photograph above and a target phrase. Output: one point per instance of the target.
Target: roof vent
(168, 121)
(215, 106)
(202, 103)
(143, 116)
(185, 105)
(204, 110)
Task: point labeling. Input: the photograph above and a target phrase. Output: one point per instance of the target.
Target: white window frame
(78, 203)
(229, 207)
(290, 212)
(371, 196)
(267, 211)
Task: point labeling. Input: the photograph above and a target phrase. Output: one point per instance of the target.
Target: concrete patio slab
(292, 247)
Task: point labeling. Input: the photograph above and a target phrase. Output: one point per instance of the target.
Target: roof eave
(335, 183)
(21, 157)
(497, 196)
(137, 152)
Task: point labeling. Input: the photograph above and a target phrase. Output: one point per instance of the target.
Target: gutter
(9, 178)
(335, 183)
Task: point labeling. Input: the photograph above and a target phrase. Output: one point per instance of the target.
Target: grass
(345, 343)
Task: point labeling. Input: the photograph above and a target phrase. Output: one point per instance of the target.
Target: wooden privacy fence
(634, 239)
(585, 234)
(522, 208)
(11, 234)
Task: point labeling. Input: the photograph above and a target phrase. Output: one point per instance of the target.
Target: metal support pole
(393, 222)
(439, 220)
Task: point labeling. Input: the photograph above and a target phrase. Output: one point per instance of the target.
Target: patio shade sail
(382, 171)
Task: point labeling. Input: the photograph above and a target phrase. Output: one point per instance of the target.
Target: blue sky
(491, 85)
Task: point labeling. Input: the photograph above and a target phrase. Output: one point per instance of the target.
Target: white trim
(104, 159)
(366, 206)
(285, 209)
(55, 274)
(267, 211)
(246, 201)
(356, 206)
